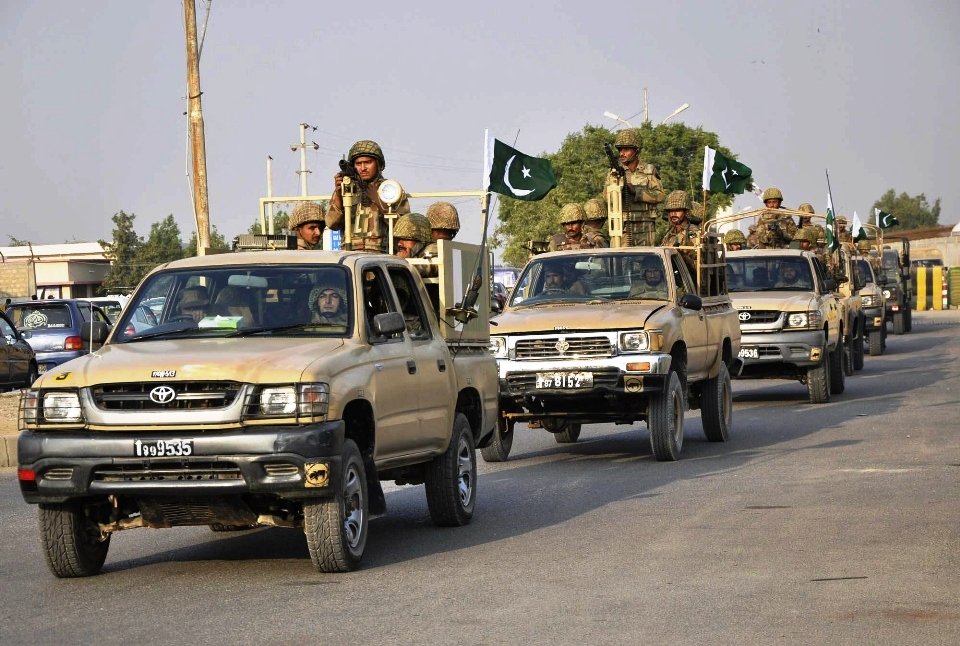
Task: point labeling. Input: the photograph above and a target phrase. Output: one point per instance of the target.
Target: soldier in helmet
(411, 235)
(682, 232)
(774, 231)
(444, 225)
(307, 220)
(806, 221)
(642, 190)
(571, 219)
(734, 240)
(328, 305)
(594, 223)
(752, 237)
(647, 279)
(842, 234)
(368, 161)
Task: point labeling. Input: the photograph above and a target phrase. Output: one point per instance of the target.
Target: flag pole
(834, 207)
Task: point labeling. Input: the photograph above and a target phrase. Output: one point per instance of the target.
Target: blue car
(59, 330)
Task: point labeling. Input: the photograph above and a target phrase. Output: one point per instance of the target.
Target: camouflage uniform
(842, 234)
(642, 195)
(444, 219)
(806, 223)
(595, 224)
(373, 225)
(416, 227)
(752, 237)
(337, 318)
(734, 236)
(774, 231)
(305, 212)
(684, 233)
(569, 214)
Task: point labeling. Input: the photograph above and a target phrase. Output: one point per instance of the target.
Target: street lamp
(675, 113)
(616, 117)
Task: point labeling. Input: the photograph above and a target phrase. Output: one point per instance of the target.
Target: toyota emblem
(744, 316)
(163, 395)
(562, 346)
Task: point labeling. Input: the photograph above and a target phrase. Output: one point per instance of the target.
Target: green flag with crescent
(517, 175)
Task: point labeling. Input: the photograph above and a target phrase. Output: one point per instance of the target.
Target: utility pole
(201, 206)
(646, 111)
(303, 172)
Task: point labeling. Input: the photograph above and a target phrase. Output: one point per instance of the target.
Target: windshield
(586, 277)
(768, 273)
(297, 300)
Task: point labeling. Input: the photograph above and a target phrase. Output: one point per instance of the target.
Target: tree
(581, 168)
(16, 242)
(911, 212)
(162, 245)
(280, 219)
(217, 243)
(123, 252)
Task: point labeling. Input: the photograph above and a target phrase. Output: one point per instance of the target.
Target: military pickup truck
(617, 336)
(274, 388)
(791, 320)
(898, 291)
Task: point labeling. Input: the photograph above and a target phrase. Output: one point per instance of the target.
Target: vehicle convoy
(898, 291)
(617, 335)
(276, 388)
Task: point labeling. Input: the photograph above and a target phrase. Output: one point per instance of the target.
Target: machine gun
(350, 188)
(615, 164)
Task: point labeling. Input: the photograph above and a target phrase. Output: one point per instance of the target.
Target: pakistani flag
(724, 175)
(517, 175)
(885, 220)
(857, 231)
(833, 243)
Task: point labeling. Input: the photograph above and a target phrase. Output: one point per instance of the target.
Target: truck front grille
(167, 472)
(760, 316)
(188, 395)
(563, 347)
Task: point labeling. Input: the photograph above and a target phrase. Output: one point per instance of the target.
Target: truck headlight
(634, 341)
(308, 400)
(314, 399)
(278, 401)
(498, 346)
(811, 319)
(866, 301)
(61, 407)
(886, 293)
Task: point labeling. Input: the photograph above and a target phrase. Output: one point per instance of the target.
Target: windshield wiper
(268, 329)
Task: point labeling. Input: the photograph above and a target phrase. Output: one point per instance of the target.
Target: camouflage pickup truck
(267, 388)
(617, 336)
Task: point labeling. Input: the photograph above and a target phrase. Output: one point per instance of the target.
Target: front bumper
(873, 318)
(56, 466)
(780, 354)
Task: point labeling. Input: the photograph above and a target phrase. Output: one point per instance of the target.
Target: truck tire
(908, 321)
(451, 478)
(847, 358)
(716, 406)
(569, 434)
(336, 528)
(665, 420)
(858, 350)
(899, 322)
(71, 541)
(876, 343)
(838, 374)
(499, 448)
(818, 381)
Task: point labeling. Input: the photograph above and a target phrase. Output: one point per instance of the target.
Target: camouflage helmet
(628, 138)
(772, 193)
(443, 215)
(734, 236)
(595, 209)
(841, 221)
(863, 246)
(413, 226)
(807, 233)
(677, 200)
(806, 207)
(697, 210)
(305, 212)
(572, 212)
(368, 148)
(319, 289)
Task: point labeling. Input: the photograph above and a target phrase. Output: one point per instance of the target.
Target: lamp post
(675, 113)
(617, 117)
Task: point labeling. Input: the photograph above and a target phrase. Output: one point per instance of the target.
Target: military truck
(873, 301)
(277, 388)
(898, 291)
(617, 335)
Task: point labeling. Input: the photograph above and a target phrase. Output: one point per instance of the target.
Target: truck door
(434, 367)
(692, 322)
(393, 383)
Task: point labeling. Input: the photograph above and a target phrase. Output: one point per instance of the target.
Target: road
(830, 524)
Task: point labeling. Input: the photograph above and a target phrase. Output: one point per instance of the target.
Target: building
(68, 270)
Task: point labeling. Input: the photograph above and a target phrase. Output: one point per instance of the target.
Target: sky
(93, 116)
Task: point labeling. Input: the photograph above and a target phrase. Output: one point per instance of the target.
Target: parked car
(499, 295)
(18, 362)
(59, 330)
(112, 305)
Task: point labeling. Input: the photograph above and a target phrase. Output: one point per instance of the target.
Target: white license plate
(564, 380)
(41, 368)
(749, 353)
(162, 448)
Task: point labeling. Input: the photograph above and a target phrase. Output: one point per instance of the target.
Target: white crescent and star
(519, 192)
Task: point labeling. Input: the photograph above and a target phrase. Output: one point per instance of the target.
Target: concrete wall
(17, 279)
(946, 248)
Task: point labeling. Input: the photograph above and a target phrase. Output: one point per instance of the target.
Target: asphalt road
(830, 524)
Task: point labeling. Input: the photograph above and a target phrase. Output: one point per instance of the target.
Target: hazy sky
(92, 117)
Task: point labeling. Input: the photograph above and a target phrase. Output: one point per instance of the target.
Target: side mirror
(389, 323)
(691, 302)
(95, 331)
(830, 284)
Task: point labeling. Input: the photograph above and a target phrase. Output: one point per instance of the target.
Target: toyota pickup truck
(276, 388)
(617, 335)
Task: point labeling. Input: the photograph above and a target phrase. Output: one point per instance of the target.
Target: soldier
(774, 231)
(444, 225)
(734, 240)
(752, 241)
(411, 235)
(368, 161)
(698, 213)
(571, 219)
(806, 221)
(789, 277)
(595, 223)
(307, 220)
(648, 282)
(328, 305)
(842, 234)
(642, 190)
(682, 232)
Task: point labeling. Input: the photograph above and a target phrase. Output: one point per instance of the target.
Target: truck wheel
(858, 351)
(883, 338)
(451, 478)
(502, 442)
(569, 434)
(876, 343)
(838, 374)
(665, 420)
(71, 540)
(908, 321)
(336, 528)
(818, 380)
(716, 406)
(899, 322)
